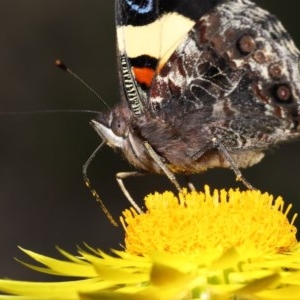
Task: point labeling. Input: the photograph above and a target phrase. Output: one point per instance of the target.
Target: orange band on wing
(143, 75)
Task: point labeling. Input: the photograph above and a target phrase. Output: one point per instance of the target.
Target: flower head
(220, 245)
(195, 222)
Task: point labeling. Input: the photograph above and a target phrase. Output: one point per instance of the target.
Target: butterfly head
(113, 127)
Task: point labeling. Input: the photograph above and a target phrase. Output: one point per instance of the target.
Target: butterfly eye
(118, 126)
(246, 44)
(283, 93)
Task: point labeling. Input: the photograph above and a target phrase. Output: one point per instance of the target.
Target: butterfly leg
(214, 144)
(236, 170)
(162, 165)
(120, 177)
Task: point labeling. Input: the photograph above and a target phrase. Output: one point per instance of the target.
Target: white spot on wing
(158, 39)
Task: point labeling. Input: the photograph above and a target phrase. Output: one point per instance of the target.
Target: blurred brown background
(43, 198)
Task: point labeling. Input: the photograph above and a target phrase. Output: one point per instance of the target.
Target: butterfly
(203, 84)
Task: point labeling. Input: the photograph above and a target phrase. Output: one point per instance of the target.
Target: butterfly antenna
(65, 68)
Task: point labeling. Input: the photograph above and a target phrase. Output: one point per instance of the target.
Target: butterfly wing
(236, 72)
(148, 32)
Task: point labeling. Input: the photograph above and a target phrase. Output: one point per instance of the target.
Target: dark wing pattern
(239, 68)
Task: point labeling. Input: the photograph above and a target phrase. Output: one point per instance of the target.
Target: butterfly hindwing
(230, 73)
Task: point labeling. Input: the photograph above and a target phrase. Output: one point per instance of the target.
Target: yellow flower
(204, 221)
(220, 245)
